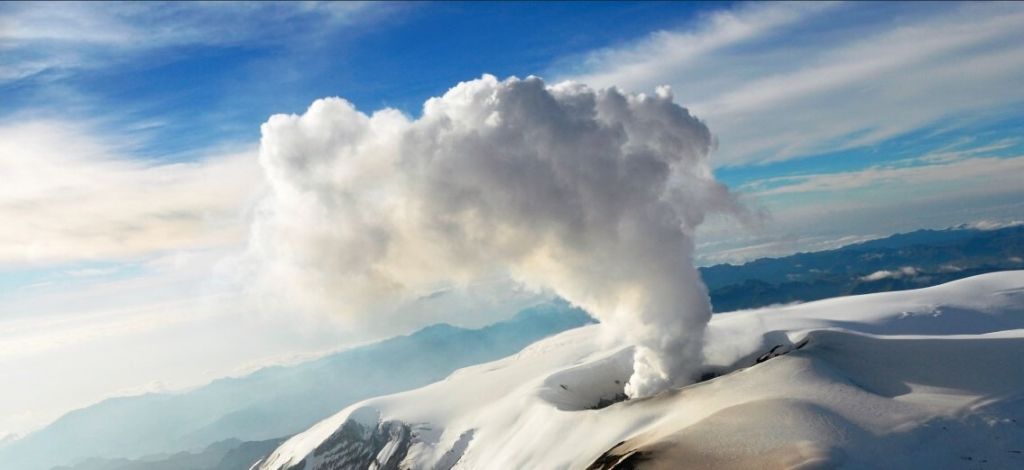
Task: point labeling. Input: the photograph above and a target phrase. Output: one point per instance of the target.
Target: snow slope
(931, 378)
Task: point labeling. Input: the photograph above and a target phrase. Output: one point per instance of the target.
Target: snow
(929, 378)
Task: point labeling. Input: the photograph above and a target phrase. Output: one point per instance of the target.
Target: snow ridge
(866, 381)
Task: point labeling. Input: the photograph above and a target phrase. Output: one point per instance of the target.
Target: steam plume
(593, 195)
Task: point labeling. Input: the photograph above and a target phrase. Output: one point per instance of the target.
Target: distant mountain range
(229, 454)
(275, 401)
(904, 261)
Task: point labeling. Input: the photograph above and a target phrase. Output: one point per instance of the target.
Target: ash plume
(593, 195)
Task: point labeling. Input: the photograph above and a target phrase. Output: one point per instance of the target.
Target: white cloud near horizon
(107, 266)
(906, 271)
(777, 81)
(813, 212)
(55, 363)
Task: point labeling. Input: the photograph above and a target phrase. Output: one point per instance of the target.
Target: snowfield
(930, 378)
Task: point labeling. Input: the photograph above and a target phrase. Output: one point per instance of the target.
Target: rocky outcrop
(360, 446)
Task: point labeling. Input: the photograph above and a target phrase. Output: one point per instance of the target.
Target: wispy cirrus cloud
(997, 174)
(787, 80)
(671, 55)
(59, 37)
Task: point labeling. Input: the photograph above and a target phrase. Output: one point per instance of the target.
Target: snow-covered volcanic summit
(931, 378)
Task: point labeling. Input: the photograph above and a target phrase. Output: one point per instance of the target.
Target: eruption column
(593, 195)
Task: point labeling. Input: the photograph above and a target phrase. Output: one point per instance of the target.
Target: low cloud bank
(906, 271)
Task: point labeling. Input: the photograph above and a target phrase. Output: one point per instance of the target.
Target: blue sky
(178, 82)
(209, 90)
(128, 135)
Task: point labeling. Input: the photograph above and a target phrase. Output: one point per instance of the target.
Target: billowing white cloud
(785, 80)
(593, 195)
(69, 195)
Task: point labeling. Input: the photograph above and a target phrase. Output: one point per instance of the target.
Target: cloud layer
(593, 195)
(779, 81)
(72, 196)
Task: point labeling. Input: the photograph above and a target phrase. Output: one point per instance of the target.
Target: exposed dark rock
(606, 402)
(618, 458)
(358, 446)
(779, 350)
